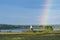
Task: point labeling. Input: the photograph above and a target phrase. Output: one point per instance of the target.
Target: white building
(31, 28)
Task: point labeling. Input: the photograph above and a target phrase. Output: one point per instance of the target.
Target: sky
(28, 12)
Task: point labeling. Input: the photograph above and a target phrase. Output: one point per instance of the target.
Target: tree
(48, 27)
(41, 26)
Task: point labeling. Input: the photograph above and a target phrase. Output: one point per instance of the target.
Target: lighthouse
(31, 28)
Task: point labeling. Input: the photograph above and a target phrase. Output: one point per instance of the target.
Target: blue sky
(27, 11)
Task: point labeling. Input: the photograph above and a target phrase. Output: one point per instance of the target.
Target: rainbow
(45, 13)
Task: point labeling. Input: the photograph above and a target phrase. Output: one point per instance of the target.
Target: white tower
(31, 28)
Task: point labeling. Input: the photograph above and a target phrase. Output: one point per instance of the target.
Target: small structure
(31, 28)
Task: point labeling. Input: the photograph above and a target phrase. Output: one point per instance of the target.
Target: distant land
(8, 26)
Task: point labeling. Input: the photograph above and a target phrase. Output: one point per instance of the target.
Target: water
(20, 30)
(14, 30)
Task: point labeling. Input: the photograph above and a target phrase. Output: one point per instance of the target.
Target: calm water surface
(20, 30)
(17, 30)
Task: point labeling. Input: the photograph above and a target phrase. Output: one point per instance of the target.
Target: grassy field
(31, 35)
(31, 32)
(41, 38)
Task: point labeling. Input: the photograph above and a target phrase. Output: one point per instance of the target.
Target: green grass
(32, 32)
(7, 38)
(41, 36)
(31, 38)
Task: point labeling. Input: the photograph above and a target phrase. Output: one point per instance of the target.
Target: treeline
(6, 26)
(47, 27)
